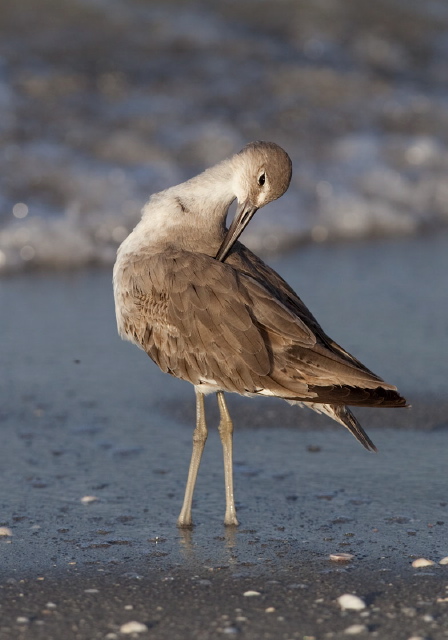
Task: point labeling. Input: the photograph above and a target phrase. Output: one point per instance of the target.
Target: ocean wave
(89, 131)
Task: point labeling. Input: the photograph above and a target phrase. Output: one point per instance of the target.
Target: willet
(208, 310)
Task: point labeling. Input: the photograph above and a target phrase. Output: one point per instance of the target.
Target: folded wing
(213, 324)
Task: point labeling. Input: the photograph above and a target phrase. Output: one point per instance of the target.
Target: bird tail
(344, 416)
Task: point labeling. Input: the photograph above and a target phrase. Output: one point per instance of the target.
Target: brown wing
(204, 321)
(247, 262)
(193, 317)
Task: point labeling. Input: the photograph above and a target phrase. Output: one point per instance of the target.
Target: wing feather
(236, 326)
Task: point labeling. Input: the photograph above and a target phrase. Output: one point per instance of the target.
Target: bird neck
(190, 216)
(209, 194)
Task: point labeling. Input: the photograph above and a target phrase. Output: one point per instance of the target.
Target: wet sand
(83, 414)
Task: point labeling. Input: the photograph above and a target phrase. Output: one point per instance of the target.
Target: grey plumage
(209, 311)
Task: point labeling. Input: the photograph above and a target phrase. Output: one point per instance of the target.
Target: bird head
(262, 173)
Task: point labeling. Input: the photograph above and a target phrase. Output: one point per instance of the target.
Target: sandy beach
(86, 415)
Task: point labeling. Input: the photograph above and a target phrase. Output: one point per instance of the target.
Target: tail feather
(344, 416)
(358, 396)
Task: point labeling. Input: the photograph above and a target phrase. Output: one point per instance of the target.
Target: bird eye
(261, 179)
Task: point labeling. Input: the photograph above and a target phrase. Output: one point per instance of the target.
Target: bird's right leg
(226, 434)
(199, 438)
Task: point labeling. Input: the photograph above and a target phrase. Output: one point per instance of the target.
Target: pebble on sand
(250, 594)
(133, 627)
(354, 629)
(349, 601)
(422, 562)
(88, 499)
(341, 557)
(230, 630)
(5, 531)
(444, 560)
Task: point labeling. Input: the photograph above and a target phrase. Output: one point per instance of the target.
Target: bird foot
(184, 523)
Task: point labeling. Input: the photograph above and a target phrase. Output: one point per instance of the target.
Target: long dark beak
(243, 215)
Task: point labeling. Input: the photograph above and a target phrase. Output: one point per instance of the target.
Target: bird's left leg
(199, 438)
(226, 434)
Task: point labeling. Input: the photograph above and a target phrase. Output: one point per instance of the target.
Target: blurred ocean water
(103, 102)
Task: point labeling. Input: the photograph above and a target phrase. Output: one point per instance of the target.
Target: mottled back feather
(237, 326)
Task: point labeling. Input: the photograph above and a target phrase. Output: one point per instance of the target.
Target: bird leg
(199, 438)
(226, 434)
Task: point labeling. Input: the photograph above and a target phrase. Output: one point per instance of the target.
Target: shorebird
(208, 310)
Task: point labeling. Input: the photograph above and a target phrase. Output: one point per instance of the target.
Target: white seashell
(133, 627)
(341, 557)
(422, 562)
(349, 601)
